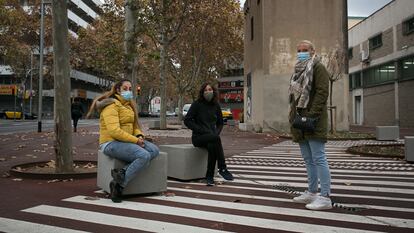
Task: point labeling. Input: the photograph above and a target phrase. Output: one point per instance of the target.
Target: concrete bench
(151, 179)
(409, 148)
(186, 162)
(154, 124)
(387, 133)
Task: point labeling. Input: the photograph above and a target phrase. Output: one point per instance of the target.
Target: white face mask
(127, 95)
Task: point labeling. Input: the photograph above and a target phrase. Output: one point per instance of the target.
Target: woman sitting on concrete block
(120, 136)
(205, 119)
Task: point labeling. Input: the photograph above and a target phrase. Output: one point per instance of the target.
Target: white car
(185, 109)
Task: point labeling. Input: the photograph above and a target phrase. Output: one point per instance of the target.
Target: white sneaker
(320, 203)
(306, 197)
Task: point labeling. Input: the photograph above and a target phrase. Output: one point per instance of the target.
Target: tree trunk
(180, 106)
(129, 44)
(63, 133)
(163, 83)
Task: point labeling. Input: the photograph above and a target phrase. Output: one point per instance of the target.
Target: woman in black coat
(204, 118)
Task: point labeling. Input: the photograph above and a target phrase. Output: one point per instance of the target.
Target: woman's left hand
(140, 142)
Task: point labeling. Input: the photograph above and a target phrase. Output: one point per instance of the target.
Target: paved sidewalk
(371, 194)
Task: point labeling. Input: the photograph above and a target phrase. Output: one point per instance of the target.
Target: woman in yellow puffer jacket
(120, 136)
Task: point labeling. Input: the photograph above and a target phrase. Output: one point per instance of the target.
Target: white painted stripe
(241, 171)
(343, 187)
(332, 170)
(290, 211)
(270, 189)
(214, 216)
(333, 159)
(113, 220)
(18, 226)
(289, 200)
(352, 182)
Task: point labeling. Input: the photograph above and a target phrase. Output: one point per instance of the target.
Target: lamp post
(42, 34)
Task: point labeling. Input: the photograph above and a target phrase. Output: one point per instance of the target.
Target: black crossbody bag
(306, 124)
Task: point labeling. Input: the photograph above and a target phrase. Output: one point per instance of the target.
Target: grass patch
(394, 151)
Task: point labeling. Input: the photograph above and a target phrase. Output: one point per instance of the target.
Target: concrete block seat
(409, 148)
(186, 162)
(387, 133)
(151, 179)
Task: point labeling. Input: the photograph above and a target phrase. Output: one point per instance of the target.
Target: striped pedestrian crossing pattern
(370, 195)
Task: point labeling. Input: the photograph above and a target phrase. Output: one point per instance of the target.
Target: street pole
(40, 94)
(31, 83)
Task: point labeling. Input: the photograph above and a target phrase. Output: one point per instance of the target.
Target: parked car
(170, 114)
(7, 114)
(143, 114)
(226, 112)
(186, 107)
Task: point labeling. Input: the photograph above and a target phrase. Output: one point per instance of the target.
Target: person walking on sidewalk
(76, 112)
(308, 94)
(120, 136)
(205, 120)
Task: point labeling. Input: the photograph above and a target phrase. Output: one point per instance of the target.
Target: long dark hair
(201, 93)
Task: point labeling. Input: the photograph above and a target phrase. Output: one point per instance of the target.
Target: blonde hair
(308, 42)
(111, 93)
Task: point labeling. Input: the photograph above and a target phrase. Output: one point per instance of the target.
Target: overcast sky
(360, 7)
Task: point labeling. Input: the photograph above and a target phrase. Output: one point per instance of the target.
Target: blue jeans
(135, 156)
(313, 152)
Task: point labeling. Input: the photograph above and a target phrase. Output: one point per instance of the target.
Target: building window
(251, 28)
(379, 75)
(408, 26)
(407, 68)
(355, 80)
(350, 53)
(375, 42)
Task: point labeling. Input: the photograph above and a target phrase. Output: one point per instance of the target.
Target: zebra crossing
(370, 195)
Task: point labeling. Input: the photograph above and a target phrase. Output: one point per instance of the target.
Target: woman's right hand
(140, 142)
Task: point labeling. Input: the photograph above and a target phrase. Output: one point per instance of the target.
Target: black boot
(116, 191)
(118, 175)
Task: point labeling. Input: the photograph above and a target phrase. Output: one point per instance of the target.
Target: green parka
(316, 108)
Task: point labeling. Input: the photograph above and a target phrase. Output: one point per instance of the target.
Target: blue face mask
(303, 56)
(127, 95)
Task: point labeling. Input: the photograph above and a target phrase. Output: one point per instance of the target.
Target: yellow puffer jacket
(117, 121)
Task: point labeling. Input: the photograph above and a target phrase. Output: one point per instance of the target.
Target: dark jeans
(75, 122)
(215, 151)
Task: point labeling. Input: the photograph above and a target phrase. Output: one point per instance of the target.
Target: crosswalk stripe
(345, 181)
(114, 220)
(289, 211)
(269, 189)
(205, 215)
(18, 226)
(240, 171)
(302, 168)
(288, 200)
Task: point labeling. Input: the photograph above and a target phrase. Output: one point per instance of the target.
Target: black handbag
(306, 124)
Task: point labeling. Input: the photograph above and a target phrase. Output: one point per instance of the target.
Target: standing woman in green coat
(308, 94)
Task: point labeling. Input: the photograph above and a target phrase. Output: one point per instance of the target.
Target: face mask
(127, 95)
(302, 56)
(208, 96)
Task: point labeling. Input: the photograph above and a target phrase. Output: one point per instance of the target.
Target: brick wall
(406, 103)
(379, 105)
(386, 48)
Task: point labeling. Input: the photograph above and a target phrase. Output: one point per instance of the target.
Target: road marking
(18, 226)
(114, 220)
(214, 216)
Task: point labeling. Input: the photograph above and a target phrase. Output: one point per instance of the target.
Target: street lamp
(42, 32)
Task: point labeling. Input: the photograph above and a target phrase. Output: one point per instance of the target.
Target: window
(375, 41)
(355, 80)
(379, 75)
(408, 26)
(251, 28)
(407, 68)
(350, 53)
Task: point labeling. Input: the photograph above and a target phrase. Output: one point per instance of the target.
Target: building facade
(381, 67)
(22, 94)
(272, 31)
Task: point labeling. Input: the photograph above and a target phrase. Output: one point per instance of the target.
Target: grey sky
(359, 7)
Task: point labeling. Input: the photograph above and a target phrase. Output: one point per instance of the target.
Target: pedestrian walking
(308, 94)
(205, 120)
(76, 112)
(120, 136)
